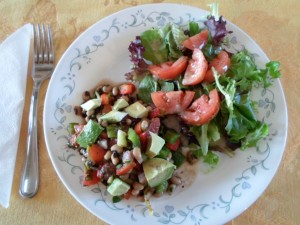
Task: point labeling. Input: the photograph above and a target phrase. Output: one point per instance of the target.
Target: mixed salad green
(186, 98)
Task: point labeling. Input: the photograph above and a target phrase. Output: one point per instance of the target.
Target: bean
(107, 155)
(86, 96)
(138, 186)
(142, 178)
(110, 179)
(115, 161)
(175, 180)
(115, 158)
(78, 110)
(115, 91)
(135, 192)
(128, 121)
(104, 123)
(106, 89)
(144, 124)
(137, 154)
(116, 148)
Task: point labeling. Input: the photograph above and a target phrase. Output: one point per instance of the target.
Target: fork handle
(30, 175)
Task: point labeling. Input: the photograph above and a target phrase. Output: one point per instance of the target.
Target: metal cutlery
(43, 66)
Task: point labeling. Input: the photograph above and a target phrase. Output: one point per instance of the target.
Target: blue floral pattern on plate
(253, 163)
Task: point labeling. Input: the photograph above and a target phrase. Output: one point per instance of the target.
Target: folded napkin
(14, 55)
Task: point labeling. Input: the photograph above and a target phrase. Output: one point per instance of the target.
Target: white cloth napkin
(14, 55)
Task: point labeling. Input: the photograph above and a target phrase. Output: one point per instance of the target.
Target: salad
(186, 99)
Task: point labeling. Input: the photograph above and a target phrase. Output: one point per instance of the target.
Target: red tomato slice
(221, 64)
(126, 89)
(172, 101)
(154, 113)
(94, 179)
(144, 141)
(104, 99)
(125, 168)
(138, 128)
(127, 195)
(196, 41)
(96, 153)
(169, 70)
(202, 109)
(196, 69)
(174, 146)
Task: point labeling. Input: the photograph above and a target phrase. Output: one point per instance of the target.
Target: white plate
(214, 197)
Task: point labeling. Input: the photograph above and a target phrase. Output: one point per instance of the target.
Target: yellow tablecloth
(274, 25)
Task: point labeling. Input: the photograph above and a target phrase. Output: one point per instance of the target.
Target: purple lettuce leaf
(217, 29)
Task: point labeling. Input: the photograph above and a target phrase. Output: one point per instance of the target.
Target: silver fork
(42, 69)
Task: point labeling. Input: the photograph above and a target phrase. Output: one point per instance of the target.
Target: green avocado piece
(121, 138)
(91, 104)
(118, 187)
(156, 145)
(113, 116)
(89, 134)
(120, 104)
(137, 110)
(158, 170)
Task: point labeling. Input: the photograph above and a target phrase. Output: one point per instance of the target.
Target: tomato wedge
(196, 69)
(170, 102)
(169, 70)
(96, 153)
(202, 109)
(126, 89)
(174, 146)
(196, 41)
(125, 168)
(221, 64)
(91, 179)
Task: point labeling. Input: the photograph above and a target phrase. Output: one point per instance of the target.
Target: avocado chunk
(91, 104)
(120, 104)
(157, 171)
(156, 145)
(118, 187)
(137, 110)
(89, 134)
(121, 138)
(113, 116)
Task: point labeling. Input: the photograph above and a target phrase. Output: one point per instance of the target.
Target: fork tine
(39, 43)
(51, 48)
(43, 44)
(44, 39)
(35, 44)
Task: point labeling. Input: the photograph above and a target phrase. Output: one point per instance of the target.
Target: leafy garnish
(244, 70)
(217, 29)
(136, 50)
(146, 87)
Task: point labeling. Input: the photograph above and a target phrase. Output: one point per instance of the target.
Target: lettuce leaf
(163, 44)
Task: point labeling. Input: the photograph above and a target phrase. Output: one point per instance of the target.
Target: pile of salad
(186, 98)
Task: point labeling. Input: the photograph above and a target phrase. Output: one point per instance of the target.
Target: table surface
(273, 24)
